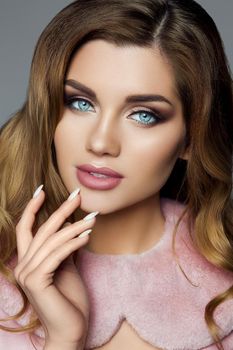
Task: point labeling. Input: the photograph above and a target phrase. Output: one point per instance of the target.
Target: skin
(46, 272)
(106, 133)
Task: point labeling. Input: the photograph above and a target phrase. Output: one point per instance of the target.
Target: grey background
(22, 21)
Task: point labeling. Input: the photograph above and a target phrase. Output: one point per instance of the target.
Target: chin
(89, 206)
(104, 206)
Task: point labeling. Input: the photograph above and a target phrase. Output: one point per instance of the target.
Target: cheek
(154, 157)
(66, 139)
(64, 144)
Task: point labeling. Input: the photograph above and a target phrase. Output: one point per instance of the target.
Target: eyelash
(70, 100)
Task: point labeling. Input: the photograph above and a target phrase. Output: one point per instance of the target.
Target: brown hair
(188, 37)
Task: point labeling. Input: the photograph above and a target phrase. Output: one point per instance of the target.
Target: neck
(131, 230)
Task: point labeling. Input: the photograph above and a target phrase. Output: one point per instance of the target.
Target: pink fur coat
(147, 289)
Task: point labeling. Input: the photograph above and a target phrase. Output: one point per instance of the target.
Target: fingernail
(37, 191)
(85, 233)
(90, 216)
(73, 194)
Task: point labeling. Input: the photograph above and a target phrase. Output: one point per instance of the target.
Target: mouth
(98, 175)
(101, 172)
(100, 179)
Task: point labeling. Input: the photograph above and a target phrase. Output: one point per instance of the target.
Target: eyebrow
(129, 99)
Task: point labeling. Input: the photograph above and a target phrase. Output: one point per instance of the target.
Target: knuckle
(59, 214)
(25, 280)
(62, 215)
(30, 281)
(66, 250)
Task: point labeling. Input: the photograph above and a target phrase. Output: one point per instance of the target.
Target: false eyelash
(151, 111)
(68, 100)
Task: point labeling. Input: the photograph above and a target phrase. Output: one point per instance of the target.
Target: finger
(42, 275)
(24, 235)
(70, 259)
(55, 221)
(60, 238)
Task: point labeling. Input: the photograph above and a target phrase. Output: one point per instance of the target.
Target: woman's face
(138, 138)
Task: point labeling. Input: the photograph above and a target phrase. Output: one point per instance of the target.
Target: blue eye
(147, 117)
(78, 104)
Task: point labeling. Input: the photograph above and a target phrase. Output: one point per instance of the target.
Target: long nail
(90, 216)
(85, 233)
(73, 194)
(37, 191)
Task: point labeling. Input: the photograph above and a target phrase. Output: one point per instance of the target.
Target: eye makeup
(129, 99)
(72, 102)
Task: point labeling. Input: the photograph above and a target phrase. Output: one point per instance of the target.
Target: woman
(129, 115)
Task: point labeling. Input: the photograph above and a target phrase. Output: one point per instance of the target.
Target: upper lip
(105, 171)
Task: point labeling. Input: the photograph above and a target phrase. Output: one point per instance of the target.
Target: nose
(103, 138)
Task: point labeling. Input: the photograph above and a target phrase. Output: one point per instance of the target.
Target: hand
(47, 273)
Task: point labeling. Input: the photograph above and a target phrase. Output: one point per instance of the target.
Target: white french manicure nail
(90, 216)
(85, 233)
(73, 194)
(37, 191)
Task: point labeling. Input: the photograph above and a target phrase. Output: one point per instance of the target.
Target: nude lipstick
(98, 178)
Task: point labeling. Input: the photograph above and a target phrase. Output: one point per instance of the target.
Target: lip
(104, 171)
(88, 180)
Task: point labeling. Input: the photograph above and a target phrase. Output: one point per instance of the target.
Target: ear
(184, 154)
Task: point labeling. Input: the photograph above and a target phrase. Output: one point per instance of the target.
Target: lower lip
(97, 183)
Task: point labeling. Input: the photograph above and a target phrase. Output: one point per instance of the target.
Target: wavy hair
(188, 37)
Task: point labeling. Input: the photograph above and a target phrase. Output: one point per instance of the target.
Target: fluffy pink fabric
(151, 292)
(10, 304)
(147, 289)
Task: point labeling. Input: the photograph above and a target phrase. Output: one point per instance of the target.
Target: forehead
(100, 62)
